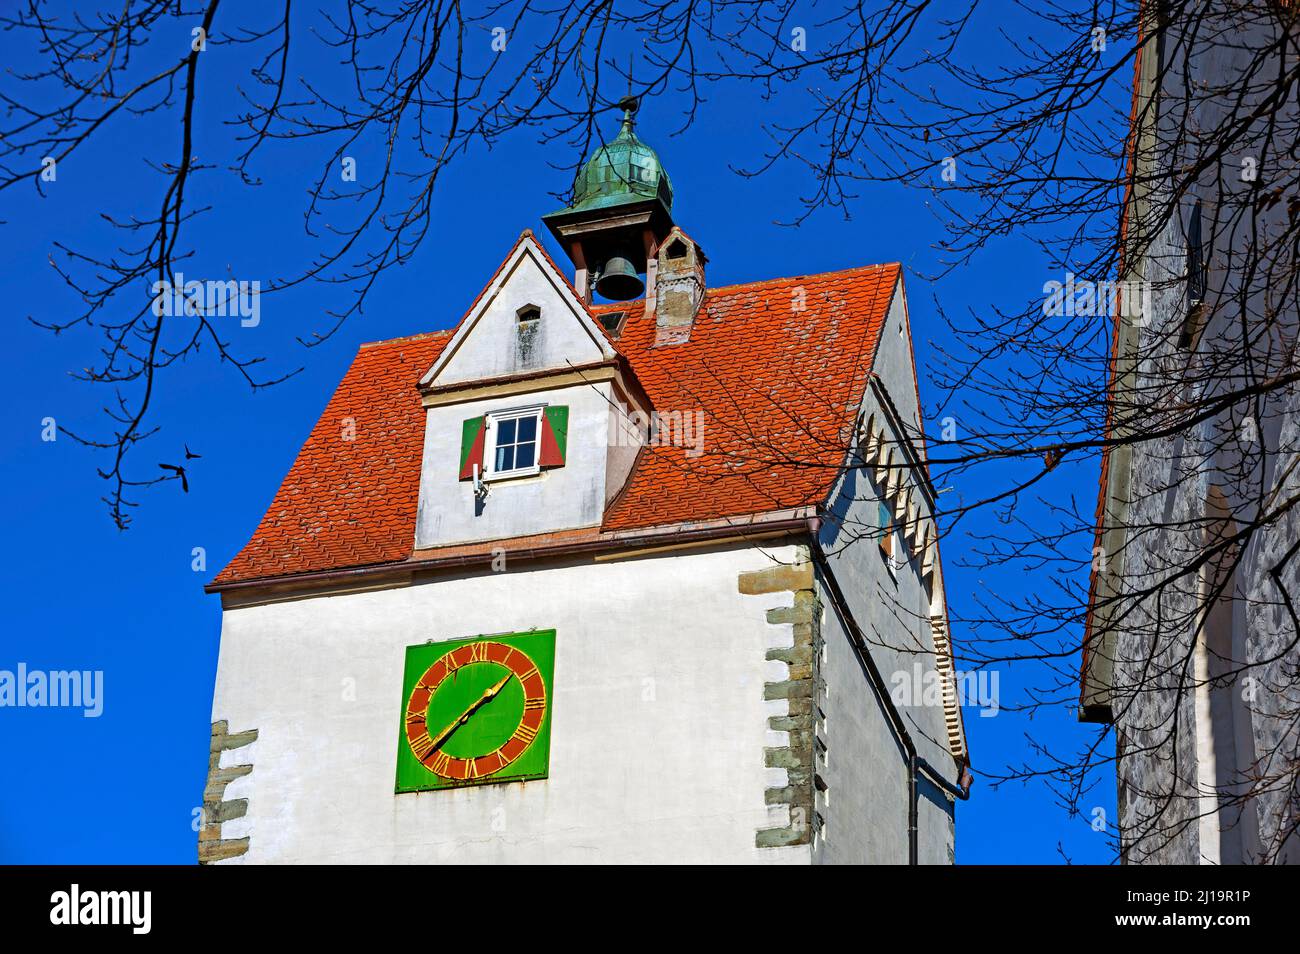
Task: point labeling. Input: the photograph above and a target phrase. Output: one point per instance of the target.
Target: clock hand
(489, 694)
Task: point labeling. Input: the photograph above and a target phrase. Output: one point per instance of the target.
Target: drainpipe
(916, 764)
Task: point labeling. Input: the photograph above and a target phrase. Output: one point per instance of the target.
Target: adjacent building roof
(776, 370)
(1094, 692)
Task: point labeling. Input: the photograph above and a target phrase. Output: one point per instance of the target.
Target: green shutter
(555, 436)
(471, 446)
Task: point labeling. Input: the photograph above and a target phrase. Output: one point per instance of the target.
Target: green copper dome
(625, 170)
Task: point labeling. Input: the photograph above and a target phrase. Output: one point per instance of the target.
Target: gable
(527, 320)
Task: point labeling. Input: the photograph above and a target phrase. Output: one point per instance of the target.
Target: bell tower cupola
(621, 214)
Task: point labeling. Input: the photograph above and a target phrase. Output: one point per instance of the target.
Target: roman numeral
(528, 675)
(534, 702)
(525, 733)
(422, 746)
(471, 771)
(440, 764)
(478, 652)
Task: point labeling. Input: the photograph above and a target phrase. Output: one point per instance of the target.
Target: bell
(619, 281)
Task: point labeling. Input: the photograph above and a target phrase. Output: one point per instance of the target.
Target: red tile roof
(779, 390)
(778, 387)
(351, 503)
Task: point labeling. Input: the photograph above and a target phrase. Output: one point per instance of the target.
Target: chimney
(678, 287)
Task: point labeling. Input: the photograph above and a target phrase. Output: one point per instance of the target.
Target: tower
(621, 213)
(585, 449)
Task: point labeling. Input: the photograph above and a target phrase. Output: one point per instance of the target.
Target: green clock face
(476, 711)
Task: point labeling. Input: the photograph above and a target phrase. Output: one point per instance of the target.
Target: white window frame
(890, 533)
(490, 442)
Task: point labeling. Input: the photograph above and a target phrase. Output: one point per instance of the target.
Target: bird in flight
(177, 472)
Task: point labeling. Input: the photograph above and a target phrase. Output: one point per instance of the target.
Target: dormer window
(888, 537)
(613, 321)
(529, 313)
(512, 443)
(517, 442)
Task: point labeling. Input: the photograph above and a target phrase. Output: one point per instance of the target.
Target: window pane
(527, 429)
(506, 431)
(505, 458)
(524, 455)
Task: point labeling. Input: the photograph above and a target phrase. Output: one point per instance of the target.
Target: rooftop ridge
(760, 283)
(418, 336)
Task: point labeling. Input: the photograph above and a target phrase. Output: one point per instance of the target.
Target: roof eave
(667, 536)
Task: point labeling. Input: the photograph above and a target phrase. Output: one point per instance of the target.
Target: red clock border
(530, 724)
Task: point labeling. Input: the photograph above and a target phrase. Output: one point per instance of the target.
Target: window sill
(512, 475)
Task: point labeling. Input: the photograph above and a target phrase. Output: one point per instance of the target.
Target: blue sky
(81, 595)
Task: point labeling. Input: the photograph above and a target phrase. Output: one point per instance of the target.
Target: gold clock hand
(488, 694)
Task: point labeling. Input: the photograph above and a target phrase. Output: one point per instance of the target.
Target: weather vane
(630, 102)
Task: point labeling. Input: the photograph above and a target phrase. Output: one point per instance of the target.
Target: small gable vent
(529, 333)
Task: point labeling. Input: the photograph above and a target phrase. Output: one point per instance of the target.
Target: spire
(629, 104)
(622, 170)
